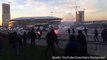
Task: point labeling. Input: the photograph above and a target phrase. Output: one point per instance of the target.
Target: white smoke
(29, 2)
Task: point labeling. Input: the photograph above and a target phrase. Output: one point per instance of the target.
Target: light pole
(51, 13)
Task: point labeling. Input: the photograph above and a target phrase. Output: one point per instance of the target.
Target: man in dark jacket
(73, 48)
(82, 40)
(104, 35)
(96, 35)
(32, 36)
(51, 38)
(24, 39)
(13, 41)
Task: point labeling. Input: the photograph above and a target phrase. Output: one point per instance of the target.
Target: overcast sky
(94, 9)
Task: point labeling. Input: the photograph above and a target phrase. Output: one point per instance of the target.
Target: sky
(94, 9)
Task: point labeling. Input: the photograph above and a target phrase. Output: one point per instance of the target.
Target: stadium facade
(34, 21)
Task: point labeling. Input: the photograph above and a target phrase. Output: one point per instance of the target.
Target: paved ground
(101, 49)
(27, 53)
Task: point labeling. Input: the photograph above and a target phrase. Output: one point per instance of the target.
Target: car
(80, 28)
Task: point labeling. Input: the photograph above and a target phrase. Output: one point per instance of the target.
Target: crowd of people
(95, 34)
(77, 45)
(18, 41)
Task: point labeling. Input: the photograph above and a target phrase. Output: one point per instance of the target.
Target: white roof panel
(38, 18)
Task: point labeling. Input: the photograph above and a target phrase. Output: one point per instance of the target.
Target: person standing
(32, 37)
(73, 31)
(73, 48)
(104, 35)
(69, 31)
(13, 41)
(51, 37)
(1, 42)
(82, 40)
(24, 39)
(20, 42)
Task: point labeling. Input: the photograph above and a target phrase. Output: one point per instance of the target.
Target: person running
(96, 35)
(85, 31)
(39, 34)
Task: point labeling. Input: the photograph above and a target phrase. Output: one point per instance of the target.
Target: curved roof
(36, 18)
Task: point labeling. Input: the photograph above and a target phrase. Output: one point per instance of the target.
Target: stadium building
(34, 21)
